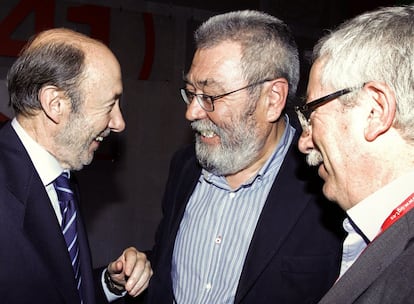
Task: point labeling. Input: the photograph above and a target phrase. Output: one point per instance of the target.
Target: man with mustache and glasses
(359, 130)
(240, 222)
(65, 89)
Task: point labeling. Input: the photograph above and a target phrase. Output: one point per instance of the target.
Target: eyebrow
(116, 97)
(209, 82)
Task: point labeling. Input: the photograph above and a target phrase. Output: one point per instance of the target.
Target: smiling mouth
(101, 137)
(207, 133)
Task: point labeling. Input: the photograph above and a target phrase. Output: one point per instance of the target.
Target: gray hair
(375, 46)
(268, 48)
(57, 63)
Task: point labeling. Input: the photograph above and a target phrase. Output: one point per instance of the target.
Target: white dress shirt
(368, 216)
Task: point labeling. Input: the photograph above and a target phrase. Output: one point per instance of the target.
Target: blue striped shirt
(216, 230)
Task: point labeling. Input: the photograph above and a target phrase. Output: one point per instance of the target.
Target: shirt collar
(370, 213)
(45, 163)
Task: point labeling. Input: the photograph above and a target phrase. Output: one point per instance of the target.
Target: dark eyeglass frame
(188, 96)
(307, 109)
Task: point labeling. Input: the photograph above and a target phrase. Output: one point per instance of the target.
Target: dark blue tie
(68, 210)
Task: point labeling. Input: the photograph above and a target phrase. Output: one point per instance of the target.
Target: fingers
(131, 258)
(131, 270)
(115, 267)
(139, 278)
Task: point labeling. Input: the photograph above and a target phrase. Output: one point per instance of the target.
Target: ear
(54, 102)
(276, 101)
(382, 109)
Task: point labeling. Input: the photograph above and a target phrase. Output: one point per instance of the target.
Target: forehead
(315, 88)
(216, 65)
(103, 76)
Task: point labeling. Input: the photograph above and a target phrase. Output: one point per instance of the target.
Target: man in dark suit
(64, 89)
(358, 128)
(240, 222)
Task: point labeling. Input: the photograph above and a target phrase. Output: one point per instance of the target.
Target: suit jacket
(383, 273)
(294, 257)
(34, 261)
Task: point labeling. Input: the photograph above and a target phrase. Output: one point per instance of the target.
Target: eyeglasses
(304, 111)
(207, 101)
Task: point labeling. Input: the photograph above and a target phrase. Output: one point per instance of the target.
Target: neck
(37, 129)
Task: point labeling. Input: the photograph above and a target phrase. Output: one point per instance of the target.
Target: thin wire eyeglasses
(304, 111)
(206, 102)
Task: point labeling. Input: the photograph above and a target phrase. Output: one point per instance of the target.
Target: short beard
(240, 143)
(72, 145)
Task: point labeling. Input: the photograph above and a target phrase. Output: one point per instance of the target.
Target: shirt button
(218, 240)
(208, 286)
(232, 194)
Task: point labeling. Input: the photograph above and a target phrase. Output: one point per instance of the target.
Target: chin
(329, 194)
(88, 161)
(78, 165)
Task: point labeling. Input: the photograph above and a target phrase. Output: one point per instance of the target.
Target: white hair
(375, 46)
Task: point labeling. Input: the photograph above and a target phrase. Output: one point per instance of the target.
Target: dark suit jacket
(384, 273)
(34, 263)
(293, 257)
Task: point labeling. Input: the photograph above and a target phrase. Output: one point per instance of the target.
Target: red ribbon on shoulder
(398, 212)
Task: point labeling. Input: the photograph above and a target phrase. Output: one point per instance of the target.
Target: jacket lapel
(284, 205)
(43, 230)
(40, 223)
(371, 263)
(186, 184)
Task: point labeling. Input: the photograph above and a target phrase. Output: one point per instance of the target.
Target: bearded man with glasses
(241, 223)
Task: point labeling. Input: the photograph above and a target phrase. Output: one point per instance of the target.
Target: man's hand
(131, 271)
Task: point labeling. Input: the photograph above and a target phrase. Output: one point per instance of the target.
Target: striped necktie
(68, 210)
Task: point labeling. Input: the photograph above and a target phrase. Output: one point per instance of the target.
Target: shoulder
(395, 283)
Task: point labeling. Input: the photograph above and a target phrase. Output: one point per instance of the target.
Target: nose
(195, 111)
(116, 122)
(305, 141)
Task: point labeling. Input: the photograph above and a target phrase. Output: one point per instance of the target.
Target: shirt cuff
(109, 295)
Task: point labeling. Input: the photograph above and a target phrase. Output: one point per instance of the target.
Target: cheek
(99, 122)
(332, 152)
(340, 160)
(219, 121)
